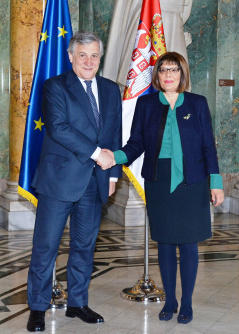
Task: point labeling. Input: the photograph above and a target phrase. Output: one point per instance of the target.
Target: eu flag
(52, 59)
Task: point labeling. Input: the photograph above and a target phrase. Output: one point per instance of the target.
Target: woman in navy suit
(173, 128)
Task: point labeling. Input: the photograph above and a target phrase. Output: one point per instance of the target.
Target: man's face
(86, 60)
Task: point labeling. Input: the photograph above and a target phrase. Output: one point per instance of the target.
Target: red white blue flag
(149, 45)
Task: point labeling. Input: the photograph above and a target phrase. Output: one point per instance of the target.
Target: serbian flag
(149, 45)
(52, 59)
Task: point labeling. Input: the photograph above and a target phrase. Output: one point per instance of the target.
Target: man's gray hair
(84, 37)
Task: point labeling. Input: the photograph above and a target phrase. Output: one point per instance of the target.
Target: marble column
(4, 90)
(25, 27)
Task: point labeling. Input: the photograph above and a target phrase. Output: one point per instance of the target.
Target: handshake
(106, 159)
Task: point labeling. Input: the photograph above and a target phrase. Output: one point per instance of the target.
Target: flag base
(144, 290)
(59, 297)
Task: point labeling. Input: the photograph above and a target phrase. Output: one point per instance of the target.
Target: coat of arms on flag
(149, 45)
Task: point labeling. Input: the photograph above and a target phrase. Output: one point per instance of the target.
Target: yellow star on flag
(39, 124)
(44, 36)
(62, 32)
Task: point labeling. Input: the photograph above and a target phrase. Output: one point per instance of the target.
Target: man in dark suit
(82, 114)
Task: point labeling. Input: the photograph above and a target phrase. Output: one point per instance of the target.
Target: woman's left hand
(217, 196)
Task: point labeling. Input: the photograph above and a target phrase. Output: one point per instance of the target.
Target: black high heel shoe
(185, 318)
(166, 315)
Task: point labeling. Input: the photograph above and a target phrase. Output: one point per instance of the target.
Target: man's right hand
(106, 159)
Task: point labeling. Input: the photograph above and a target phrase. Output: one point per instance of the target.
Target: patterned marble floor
(119, 263)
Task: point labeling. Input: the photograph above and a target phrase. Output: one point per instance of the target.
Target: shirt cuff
(113, 179)
(96, 153)
(216, 181)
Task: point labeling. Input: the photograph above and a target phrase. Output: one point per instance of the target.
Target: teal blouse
(171, 143)
(172, 148)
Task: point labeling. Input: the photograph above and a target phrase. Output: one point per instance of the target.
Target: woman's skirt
(182, 216)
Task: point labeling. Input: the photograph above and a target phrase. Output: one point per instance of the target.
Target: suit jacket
(71, 137)
(195, 128)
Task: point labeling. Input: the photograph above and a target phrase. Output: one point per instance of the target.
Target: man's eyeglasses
(172, 70)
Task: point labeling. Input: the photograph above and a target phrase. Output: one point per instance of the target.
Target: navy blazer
(195, 128)
(71, 137)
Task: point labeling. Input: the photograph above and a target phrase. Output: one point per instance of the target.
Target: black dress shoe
(36, 321)
(85, 314)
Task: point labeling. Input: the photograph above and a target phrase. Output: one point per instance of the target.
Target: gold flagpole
(145, 290)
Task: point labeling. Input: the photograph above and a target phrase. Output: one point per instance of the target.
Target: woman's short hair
(175, 59)
(84, 37)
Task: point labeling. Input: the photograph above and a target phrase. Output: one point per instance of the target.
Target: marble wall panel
(202, 53)
(227, 98)
(95, 15)
(214, 55)
(4, 86)
(74, 13)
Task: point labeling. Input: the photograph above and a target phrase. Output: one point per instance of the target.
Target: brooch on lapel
(187, 117)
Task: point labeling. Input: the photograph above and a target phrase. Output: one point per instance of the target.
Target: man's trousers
(51, 218)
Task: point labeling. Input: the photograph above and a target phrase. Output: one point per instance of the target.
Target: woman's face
(169, 77)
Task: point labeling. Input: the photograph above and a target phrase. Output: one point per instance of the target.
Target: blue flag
(52, 59)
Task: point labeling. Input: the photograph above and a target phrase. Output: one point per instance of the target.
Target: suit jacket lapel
(75, 86)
